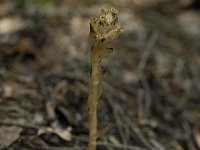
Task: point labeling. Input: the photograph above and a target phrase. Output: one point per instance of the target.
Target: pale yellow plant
(103, 29)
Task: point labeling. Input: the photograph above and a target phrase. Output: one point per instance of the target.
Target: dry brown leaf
(189, 22)
(63, 133)
(8, 135)
(114, 141)
(142, 3)
(196, 134)
(177, 146)
(11, 24)
(13, 88)
(6, 8)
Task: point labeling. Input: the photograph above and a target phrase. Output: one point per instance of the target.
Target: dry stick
(147, 51)
(138, 133)
(142, 65)
(127, 121)
(58, 148)
(6, 123)
(49, 106)
(128, 147)
(103, 29)
(193, 66)
(114, 109)
(134, 128)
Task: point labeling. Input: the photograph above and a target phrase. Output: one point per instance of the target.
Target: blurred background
(151, 98)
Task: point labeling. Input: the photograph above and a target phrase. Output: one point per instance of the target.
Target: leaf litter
(44, 58)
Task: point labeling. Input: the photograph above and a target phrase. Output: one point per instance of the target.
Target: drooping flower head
(104, 28)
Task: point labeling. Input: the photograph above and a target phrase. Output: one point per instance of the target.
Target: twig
(6, 123)
(59, 148)
(141, 67)
(139, 135)
(140, 95)
(117, 120)
(147, 51)
(127, 121)
(156, 144)
(48, 100)
(148, 99)
(128, 147)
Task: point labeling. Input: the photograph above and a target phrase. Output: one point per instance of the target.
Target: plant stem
(103, 29)
(93, 96)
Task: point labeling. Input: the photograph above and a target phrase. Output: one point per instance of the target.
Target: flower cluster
(104, 28)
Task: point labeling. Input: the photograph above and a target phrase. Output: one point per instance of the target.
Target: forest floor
(151, 99)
